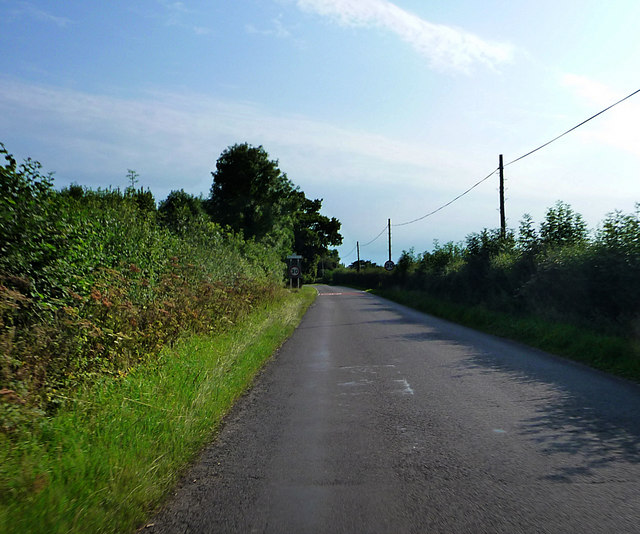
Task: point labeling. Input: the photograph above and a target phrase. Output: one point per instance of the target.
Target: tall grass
(126, 333)
(108, 457)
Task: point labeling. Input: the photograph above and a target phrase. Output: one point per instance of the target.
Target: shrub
(93, 284)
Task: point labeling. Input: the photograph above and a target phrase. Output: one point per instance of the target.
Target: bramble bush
(93, 283)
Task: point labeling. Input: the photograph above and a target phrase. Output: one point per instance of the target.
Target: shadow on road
(585, 415)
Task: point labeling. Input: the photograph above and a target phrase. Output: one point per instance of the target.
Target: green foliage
(614, 354)
(528, 241)
(563, 227)
(555, 272)
(94, 283)
(620, 233)
(112, 452)
(31, 239)
(180, 211)
(444, 259)
(253, 197)
(370, 276)
(313, 234)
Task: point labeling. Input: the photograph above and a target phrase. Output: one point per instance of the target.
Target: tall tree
(562, 227)
(314, 233)
(250, 194)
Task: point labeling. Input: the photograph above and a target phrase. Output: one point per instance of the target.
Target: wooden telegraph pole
(388, 265)
(358, 247)
(503, 219)
(389, 239)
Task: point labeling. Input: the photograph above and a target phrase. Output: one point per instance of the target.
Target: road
(374, 418)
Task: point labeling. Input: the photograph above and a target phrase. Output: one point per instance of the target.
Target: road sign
(389, 265)
(294, 271)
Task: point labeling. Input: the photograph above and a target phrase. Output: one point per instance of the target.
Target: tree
(250, 194)
(330, 260)
(313, 233)
(364, 264)
(563, 226)
(179, 210)
(32, 229)
(528, 241)
(620, 233)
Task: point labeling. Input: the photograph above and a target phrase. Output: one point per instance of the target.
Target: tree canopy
(252, 196)
(179, 210)
(314, 233)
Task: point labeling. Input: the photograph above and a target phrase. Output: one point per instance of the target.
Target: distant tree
(313, 233)
(73, 191)
(562, 226)
(620, 232)
(179, 210)
(444, 258)
(364, 264)
(250, 194)
(133, 178)
(488, 244)
(330, 260)
(143, 198)
(528, 240)
(407, 261)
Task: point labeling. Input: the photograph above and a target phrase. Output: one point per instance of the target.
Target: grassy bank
(110, 455)
(616, 355)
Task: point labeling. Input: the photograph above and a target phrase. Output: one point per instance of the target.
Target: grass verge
(112, 453)
(615, 355)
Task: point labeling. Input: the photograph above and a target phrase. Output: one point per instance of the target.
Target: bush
(556, 272)
(93, 283)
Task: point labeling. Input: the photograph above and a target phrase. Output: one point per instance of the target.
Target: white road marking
(406, 387)
(365, 367)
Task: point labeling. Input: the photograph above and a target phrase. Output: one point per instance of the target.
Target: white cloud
(28, 9)
(175, 14)
(278, 29)
(201, 30)
(173, 140)
(445, 47)
(180, 135)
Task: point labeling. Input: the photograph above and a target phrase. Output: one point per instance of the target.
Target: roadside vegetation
(128, 328)
(110, 456)
(558, 287)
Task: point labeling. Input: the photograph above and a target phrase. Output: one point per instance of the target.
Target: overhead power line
(574, 128)
(518, 159)
(351, 251)
(376, 237)
(388, 227)
(450, 202)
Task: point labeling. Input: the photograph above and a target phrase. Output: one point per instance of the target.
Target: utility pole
(389, 239)
(503, 219)
(358, 247)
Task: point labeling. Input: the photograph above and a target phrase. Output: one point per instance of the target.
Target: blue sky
(383, 109)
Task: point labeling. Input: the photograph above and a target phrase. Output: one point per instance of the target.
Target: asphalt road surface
(377, 418)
